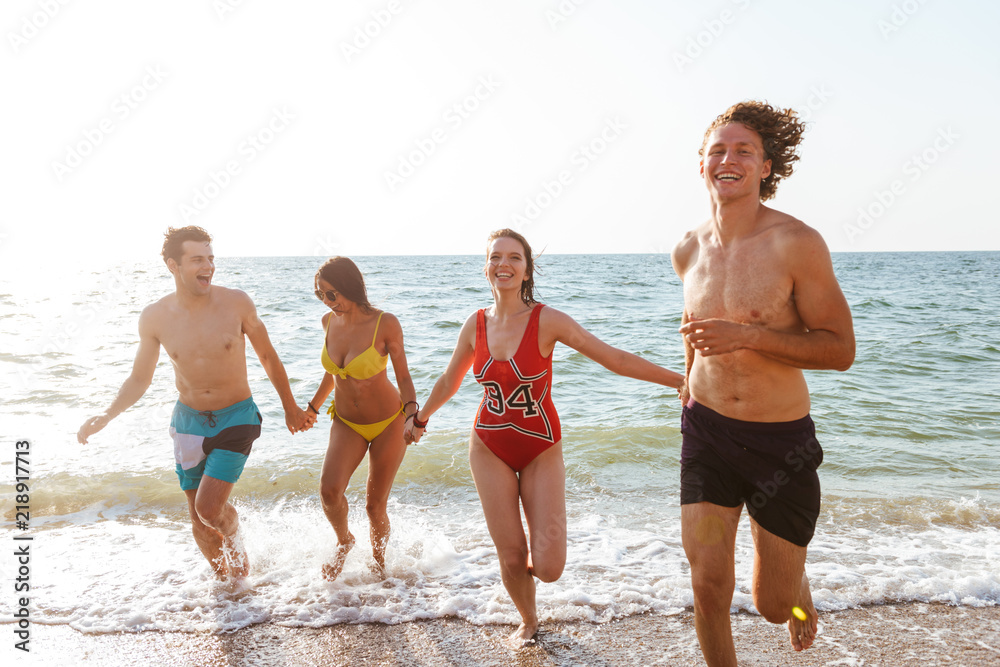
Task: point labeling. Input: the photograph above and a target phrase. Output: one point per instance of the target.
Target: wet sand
(891, 635)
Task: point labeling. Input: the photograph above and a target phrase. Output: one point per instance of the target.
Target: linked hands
(684, 393)
(411, 434)
(298, 420)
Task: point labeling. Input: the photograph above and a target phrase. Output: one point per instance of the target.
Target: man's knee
(210, 513)
(713, 588)
(774, 602)
(774, 611)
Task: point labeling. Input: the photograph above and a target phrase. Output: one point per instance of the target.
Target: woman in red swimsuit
(515, 450)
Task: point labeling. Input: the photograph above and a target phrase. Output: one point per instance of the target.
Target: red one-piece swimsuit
(516, 418)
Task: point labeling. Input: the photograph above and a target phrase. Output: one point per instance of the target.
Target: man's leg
(207, 538)
(212, 507)
(780, 583)
(708, 532)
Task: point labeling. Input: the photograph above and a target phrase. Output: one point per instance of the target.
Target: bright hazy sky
(378, 127)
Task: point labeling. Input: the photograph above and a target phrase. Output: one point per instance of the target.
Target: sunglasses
(329, 295)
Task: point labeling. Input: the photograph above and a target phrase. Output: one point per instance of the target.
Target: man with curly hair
(203, 327)
(761, 303)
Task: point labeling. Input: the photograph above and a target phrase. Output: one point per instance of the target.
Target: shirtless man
(202, 327)
(761, 302)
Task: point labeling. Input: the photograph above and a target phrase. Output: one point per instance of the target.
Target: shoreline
(893, 635)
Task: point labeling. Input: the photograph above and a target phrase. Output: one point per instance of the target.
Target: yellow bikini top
(367, 364)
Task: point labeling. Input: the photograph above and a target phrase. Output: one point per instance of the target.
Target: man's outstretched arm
(135, 385)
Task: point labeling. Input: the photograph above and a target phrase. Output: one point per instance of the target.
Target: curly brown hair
(780, 131)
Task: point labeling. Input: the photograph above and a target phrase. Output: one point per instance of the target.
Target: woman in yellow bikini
(368, 412)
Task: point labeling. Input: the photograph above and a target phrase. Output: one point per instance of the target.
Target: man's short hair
(174, 238)
(780, 131)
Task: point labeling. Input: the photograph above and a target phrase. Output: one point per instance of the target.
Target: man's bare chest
(189, 339)
(746, 288)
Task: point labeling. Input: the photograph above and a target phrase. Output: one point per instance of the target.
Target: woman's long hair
(346, 278)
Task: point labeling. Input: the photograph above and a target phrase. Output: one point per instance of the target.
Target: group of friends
(761, 303)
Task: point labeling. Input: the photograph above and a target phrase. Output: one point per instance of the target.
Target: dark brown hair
(780, 132)
(174, 238)
(528, 285)
(346, 278)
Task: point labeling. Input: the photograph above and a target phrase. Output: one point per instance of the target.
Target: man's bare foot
(378, 569)
(523, 636)
(803, 624)
(234, 554)
(219, 567)
(332, 569)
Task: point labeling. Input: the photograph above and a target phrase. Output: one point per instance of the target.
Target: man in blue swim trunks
(761, 303)
(203, 328)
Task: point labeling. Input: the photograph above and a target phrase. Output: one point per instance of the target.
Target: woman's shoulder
(387, 322)
(547, 312)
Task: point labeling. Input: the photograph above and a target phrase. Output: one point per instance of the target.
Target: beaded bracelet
(418, 423)
(312, 408)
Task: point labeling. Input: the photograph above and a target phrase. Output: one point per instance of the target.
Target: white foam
(134, 570)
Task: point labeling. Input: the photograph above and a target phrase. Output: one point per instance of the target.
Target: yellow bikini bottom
(367, 431)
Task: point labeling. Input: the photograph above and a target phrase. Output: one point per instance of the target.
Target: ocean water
(911, 474)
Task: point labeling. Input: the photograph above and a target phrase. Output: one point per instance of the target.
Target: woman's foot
(332, 569)
(523, 636)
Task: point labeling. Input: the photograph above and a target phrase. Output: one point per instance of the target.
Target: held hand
(683, 393)
(716, 336)
(408, 431)
(296, 420)
(310, 419)
(90, 427)
(415, 434)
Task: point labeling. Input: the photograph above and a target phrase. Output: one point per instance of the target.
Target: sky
(367, 127)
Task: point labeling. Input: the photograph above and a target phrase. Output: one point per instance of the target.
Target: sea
(911, 435)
